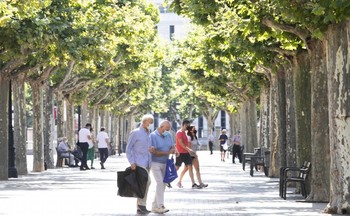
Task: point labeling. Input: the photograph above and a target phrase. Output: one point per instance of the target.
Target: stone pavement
(69, 191)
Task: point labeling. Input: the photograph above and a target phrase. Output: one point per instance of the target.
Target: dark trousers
(103, 154)
(211, 144)
(84, 149)
(236, 150)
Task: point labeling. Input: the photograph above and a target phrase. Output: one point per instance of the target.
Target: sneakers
(202, 185)
(179, 185)
(195, 186)
(160, 210)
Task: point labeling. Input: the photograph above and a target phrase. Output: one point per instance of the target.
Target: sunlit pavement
(69, 191)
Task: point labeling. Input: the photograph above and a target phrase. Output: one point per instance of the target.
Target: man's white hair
(164, 122)
(147, 117)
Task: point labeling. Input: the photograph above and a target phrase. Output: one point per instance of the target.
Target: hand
(152, 149)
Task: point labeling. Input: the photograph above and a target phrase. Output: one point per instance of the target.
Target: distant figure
(223, 144)
(84, 138)
(211, 140)
(91, 151)
(236, 149)
(102, 143)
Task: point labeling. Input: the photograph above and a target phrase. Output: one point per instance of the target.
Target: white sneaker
(160, 210)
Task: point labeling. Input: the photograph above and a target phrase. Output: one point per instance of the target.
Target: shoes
(202, 185)
(223, 160)
(168, 185)
(179, 185)
(102, 167)
(195, 186)
(87, 168)
(82, 168)
(92, 167)
(160, 210)
(142, 210)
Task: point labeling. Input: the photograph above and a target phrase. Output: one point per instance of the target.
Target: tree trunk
(320, 150)
(60, 115)
(85, 117)
(20, 135)
(290, 153)
(70, 121)
(278, 122)
(302, 80)
(38, 147)
(4, 127)
(338, 61)
(252, 122)
(48, 127)
(264, 139)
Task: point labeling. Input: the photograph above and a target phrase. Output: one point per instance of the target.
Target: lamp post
(12, 170)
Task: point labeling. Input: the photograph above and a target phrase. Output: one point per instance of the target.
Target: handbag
(225, 146)
(170, 171)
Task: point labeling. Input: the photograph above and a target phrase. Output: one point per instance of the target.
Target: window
(172, 31)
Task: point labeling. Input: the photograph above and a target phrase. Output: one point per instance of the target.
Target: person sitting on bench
(65, 151)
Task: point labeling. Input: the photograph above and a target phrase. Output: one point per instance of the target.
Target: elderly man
(163, 146)
(65, 151)
(138, 151)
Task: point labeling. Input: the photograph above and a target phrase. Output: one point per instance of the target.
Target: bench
(300, 176)
(246, 156)
(263, 161)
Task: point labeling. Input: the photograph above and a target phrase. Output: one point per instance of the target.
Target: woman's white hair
(147, 117)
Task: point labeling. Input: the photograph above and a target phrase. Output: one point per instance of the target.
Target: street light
(12, 170)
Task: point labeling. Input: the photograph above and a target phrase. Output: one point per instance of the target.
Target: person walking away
(138, 152)
(163, 146)
(211, 140)
(223, 144)
(91, 151)
(236, 149)
(184, 154)
(84, 136)
(102, 144)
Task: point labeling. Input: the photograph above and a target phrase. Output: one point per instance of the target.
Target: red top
(181, 135)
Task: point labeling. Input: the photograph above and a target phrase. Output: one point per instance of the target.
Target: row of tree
(98, 54)
(293, 56)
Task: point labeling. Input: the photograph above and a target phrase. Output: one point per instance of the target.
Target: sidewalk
(231, 191)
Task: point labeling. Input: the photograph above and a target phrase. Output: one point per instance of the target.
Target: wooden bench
(247, 156)
(263, 161)
(300, 176)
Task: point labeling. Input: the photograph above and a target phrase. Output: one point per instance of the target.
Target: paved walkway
(231, 191)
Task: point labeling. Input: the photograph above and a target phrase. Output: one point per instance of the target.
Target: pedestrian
(184, 154)
(223, 144)
(84, 137)
(163, 146)
(138, 151)
(91, 151)
(192, 138)
(211, 140)
(236, 148)
(102, 144)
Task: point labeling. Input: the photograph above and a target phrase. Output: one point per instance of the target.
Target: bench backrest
(304, 170)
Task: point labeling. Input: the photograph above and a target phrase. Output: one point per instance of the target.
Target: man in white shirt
(84, 137)
(102, 143)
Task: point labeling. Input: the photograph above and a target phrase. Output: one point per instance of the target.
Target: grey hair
(163, 123)
(146, 117)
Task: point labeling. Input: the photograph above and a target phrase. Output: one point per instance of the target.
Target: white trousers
(158, 170)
